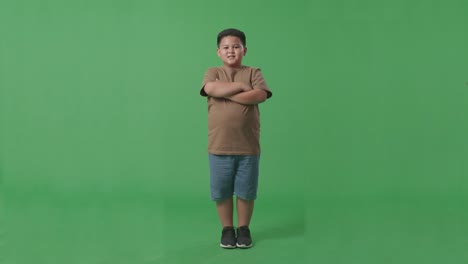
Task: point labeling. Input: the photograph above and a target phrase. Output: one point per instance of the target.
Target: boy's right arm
(225, 89)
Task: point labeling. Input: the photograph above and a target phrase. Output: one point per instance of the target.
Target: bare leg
(225, 213)
(244, 211)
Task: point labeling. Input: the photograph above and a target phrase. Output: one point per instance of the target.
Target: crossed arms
(238, 92)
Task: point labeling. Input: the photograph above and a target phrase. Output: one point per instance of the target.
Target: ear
(245, 50)
(218, 52)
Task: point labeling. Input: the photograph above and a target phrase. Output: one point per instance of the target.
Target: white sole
(244, 246)
(224, 246)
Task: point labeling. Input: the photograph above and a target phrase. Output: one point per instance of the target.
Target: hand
(245, 87)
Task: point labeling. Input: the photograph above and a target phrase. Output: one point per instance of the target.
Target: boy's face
(231, 51)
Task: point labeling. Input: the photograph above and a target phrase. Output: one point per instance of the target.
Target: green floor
(185, 229)
(389, 230)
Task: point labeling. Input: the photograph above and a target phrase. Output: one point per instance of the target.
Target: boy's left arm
(259, 93)
(254, 96)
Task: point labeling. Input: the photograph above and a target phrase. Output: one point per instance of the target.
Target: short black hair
(232, 32)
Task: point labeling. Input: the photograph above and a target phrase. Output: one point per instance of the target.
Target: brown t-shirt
(234, 129)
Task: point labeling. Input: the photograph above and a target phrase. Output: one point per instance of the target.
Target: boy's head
(231, 47)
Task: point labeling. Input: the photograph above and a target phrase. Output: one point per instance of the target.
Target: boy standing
(234, 92)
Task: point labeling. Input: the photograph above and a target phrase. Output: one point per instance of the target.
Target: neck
(228, 67)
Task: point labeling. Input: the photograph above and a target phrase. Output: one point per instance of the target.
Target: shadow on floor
(285, 229)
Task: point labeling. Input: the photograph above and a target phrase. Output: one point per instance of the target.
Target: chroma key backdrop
(104, 134)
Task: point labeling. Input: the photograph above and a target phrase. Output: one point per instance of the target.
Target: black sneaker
(228, 237)
(243, 237)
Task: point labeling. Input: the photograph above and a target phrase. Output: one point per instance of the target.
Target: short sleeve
(210, 76)
(258, 82)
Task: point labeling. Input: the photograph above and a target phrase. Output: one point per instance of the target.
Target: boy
(234, 92)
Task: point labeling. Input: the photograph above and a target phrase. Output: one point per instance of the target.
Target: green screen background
(103, 132)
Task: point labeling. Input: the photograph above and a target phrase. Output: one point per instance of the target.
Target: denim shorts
(233, 175)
